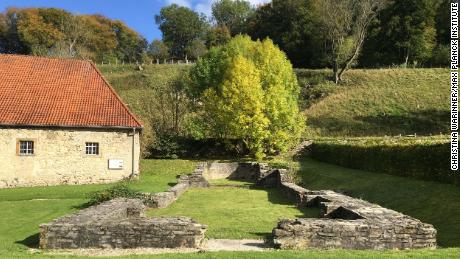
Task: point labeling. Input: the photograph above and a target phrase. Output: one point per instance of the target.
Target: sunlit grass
(232, 212)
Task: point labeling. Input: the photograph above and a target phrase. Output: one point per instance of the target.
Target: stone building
(62, 123)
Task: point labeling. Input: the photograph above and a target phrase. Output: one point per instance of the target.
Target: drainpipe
(132, 152)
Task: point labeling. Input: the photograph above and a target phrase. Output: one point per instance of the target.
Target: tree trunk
(176, 111)
(335, 70)
(407, 59)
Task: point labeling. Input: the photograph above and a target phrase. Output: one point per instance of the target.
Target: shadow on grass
(266, 236)
(83, 205)
(30, 241)
(171, 184)
(275, 196)
(424, 122)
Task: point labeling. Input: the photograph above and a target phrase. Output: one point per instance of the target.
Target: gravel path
(235, 245)
(211, 245)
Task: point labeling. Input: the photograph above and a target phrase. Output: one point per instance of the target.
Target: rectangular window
(92, 148)
(26, 148)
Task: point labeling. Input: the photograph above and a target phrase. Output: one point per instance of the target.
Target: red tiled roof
(38, 91)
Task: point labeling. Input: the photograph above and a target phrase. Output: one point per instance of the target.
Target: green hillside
(374, 102)
(377, 102)
(145, 92)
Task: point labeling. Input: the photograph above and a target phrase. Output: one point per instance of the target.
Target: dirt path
(211, 245)
(235, 245)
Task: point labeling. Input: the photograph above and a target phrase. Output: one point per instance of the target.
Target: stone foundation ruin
(120, 223)
(344, 222)
(164, 199)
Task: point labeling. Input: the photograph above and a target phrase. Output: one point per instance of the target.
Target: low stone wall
(278, 178)
(120, 223)
(249, 171)
(328, 233)
(345, 223)
(164, 199)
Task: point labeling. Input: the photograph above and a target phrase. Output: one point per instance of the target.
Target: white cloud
(186, 3)
(204, 6)
(256, 2)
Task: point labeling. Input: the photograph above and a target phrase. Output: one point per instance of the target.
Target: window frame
(93, 147)
(27, 141)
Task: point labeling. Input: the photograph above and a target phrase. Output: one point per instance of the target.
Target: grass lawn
(235, 213)
(23, 209)
(431, 202)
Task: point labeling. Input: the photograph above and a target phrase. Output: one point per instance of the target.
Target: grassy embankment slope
(377, 102)
(143, 91)
(373, 102)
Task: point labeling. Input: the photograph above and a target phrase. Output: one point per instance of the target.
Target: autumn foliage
(56, 32)
(248, 91)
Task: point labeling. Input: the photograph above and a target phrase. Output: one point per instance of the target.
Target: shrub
(185, 147)
(420, 158)
(119, 190)
(165, 146)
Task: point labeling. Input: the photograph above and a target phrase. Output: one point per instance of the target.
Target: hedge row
(421, 158)
(181, 147)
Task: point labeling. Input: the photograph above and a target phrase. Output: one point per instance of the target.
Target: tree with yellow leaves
(248, 91)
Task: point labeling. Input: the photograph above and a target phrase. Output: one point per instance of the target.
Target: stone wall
(345, 223)
(328, 233)
(234, 171)
(120, 223)
(164, 199)
(59, 156)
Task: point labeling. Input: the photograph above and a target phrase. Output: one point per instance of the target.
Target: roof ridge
(114, 93)
(45, 57)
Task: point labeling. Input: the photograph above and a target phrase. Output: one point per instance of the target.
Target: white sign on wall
(115, 164)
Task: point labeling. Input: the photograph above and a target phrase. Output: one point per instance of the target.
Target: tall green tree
(232, 14)
(130, 45)
(180, 27)
(289, 23)
(344, 25)
(405, 33)
(441, 53)
(217, 35)
(158, 50)
(196, 49)
(248, 91)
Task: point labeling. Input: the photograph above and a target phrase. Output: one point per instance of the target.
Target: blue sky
(137, 14)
